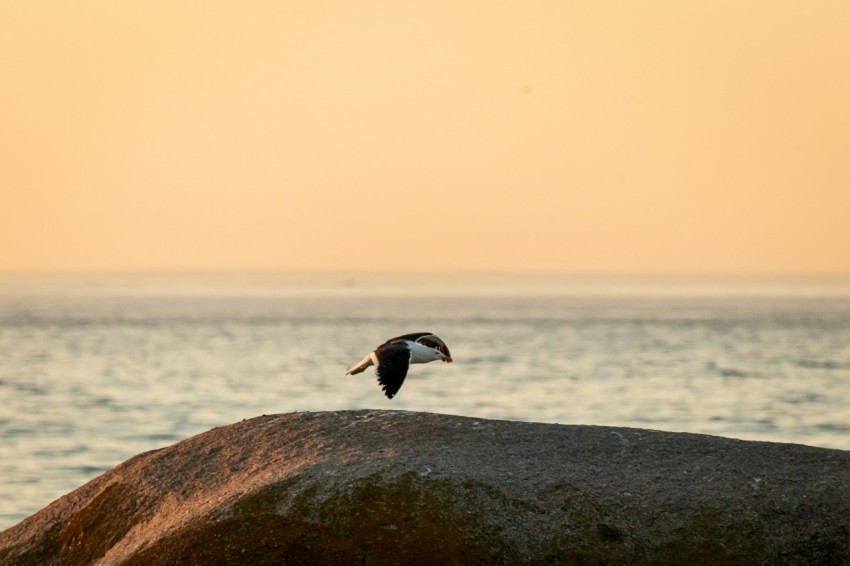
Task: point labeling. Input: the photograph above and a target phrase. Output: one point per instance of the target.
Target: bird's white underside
(419, 354)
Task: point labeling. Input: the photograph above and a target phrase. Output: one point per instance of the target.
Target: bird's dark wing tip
(393, 363)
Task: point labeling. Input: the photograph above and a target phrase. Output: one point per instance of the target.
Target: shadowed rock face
(417, 488)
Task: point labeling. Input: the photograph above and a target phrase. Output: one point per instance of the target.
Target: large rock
(417, 488)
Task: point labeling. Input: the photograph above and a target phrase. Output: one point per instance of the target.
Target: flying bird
(392, 359)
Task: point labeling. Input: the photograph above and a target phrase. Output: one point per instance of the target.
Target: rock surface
(396, 487)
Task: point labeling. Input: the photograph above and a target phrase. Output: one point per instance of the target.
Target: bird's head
(438, 346)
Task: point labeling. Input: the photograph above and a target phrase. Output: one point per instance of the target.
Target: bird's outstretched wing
(393, 363)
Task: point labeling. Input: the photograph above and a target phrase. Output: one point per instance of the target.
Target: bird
(392, 359)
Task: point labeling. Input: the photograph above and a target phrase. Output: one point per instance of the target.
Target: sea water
(97, 368)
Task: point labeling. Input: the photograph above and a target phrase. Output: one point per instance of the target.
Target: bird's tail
(360, 366)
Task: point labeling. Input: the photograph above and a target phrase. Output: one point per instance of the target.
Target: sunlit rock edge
(394, 487)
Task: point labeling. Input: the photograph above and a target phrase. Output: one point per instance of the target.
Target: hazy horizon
(355, 284)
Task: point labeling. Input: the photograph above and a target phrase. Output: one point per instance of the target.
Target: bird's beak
(448, 359)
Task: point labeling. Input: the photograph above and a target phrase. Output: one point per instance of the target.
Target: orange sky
(668, 136)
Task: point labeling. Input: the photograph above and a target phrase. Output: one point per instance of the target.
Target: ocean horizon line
(426, 282)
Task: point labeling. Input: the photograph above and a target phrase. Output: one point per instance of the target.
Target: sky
(671, 136)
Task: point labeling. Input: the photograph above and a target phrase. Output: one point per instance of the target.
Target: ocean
(95, 368)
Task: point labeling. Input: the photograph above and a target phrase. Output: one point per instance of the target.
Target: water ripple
(88, 381)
